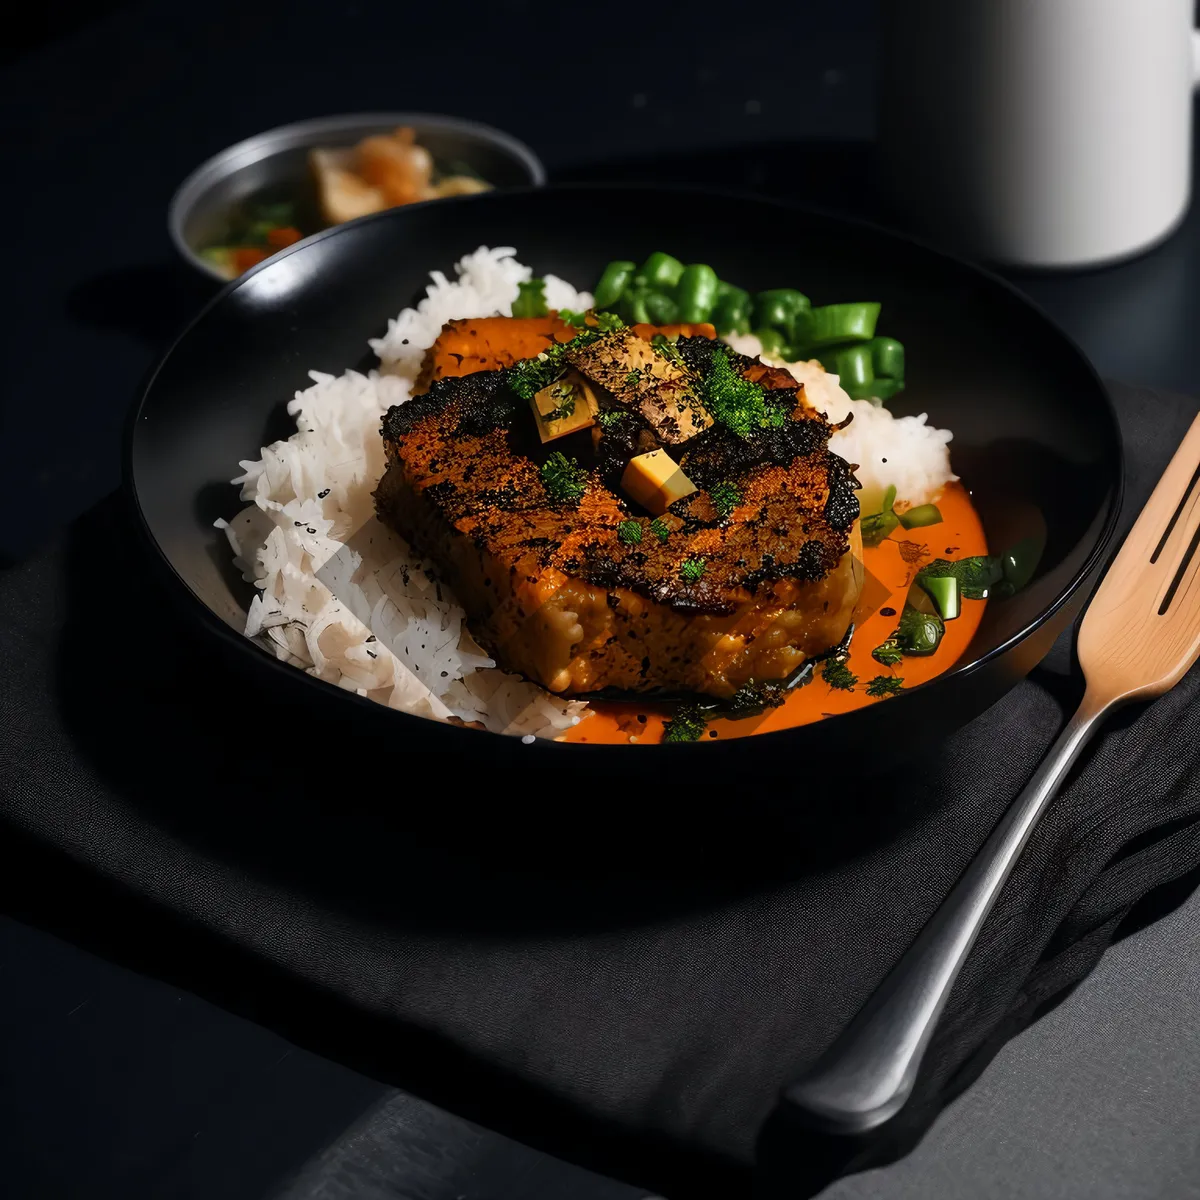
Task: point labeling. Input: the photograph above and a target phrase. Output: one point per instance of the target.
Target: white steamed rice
(344, 598)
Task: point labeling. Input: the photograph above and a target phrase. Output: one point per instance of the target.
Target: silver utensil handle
(868, 1073)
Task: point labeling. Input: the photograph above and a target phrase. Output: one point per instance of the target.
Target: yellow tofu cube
(655, 481)
(563, 407)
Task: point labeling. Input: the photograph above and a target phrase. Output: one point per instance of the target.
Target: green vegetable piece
(977, 577)
(661, 309)
(661, 272)
(838, 675)
(731, 314)
(921, 516)
(725, 498)
(772, 342)
(632, 308)
(688, 724)
(835, 324)
(883, 686)
(696, 293)
(878, 389)
(919, 633)
(943, 591)
(666, 348)
(1019, 563)
(658, 527)
(877, 526)
(629, 533)
(563, 478)
(613, 282)
(778, 307)
(531, 299)
(692, 569)
(852, 366)
(887, 357)
(735, 402)
(887, 653)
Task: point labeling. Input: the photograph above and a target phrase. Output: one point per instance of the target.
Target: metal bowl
(274, 164)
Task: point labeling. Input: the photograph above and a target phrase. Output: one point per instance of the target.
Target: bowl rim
(307, 132)
(1096, 558)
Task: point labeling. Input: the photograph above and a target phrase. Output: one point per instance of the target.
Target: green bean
(887, 355)
(661, 271)
(731, 314)
(919, 517)
(836, 324)
(662, 309)
(632, 309)
(778, 308)
(878, 389)
(852, 366)
(612, 283)
(696, 293)
(772, 342)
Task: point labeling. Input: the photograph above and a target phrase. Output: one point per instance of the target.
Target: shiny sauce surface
(891, 567)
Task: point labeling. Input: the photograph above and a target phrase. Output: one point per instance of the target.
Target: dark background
(112, 1084)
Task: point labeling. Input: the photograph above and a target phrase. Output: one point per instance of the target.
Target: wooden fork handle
(863, 1080)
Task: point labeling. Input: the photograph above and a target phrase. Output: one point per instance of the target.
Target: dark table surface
(113, 1084)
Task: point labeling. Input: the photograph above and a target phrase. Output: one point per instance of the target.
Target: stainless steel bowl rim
(308, 132)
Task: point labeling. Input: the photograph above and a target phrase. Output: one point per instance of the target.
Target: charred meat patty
(621, 513)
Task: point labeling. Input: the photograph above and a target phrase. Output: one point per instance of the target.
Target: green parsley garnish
(725, 498)
(887, 653)
(529, 376)
(658, 527)
(564, 393)
(735, 402)
(838, 675)
(630, 533)
(531, 299)
(883, 686)
(978, 577)
(687, 725)
(611, 417)
(752, 698)
(692, 569)
(563, 478)
(634, 377)
(666, 348)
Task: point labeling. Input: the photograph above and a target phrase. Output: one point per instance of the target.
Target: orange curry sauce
(891, 567)
(494, 342)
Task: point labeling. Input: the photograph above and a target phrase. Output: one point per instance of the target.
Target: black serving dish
(1036, 438)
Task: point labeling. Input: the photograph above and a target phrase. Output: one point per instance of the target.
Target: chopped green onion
(833, 324)
(661, 271)
(919, 633)
(878, 389)
(977, 577)
(922, 515)
(877, 526)
(661, 309)
(943, 591)
(613, 282)
(852, 366)
(696, 293)
(659, 528)
(772, 341)
(531, 299)
(887, 356)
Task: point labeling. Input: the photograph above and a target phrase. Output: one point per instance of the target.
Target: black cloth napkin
(625, 997)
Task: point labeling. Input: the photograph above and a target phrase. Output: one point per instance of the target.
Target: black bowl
(1035, 434)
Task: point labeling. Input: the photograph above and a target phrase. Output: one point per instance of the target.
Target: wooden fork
(1140, 634)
